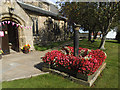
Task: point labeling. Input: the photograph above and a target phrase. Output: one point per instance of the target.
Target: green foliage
(107, 14)
(91, 15)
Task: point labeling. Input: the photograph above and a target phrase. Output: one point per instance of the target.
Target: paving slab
(20, 65)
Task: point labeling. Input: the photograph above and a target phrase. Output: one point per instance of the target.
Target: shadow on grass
(87, 44)
(51, 46)
(111, 41)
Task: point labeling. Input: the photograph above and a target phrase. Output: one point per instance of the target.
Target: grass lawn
(52, 45)
(108, 78)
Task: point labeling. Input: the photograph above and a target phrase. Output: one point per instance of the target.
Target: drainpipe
(76, 39)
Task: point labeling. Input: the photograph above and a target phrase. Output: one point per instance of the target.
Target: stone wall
(21, 17)
(50, 30)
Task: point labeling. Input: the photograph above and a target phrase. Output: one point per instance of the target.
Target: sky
(53, 1)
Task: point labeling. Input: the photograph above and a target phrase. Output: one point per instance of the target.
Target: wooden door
(13, 37)
(5, 41)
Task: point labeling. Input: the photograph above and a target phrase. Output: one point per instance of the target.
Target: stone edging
(26, 76)
(86, 83)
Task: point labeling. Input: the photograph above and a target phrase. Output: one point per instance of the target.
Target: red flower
(83, 68)
(69, 68)
(79, 71)
(87, 63)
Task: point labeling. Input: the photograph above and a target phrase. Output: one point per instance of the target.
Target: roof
(40, 10)
(48, 1)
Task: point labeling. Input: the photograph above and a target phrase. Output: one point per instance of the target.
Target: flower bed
(87, 63)
(26, 49)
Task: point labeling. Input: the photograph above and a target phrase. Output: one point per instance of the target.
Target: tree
(92, 16)
(117, 26)
(107, 13)
(118, 35)
(80, 13)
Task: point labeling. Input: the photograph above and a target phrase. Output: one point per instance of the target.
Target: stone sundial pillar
(76, 39)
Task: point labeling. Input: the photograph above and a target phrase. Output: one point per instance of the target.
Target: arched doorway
(10, 41)
(22, 34)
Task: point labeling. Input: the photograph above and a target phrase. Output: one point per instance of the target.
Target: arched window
(37, 26)
(33, 28)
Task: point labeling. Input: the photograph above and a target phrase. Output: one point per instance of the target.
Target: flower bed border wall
(88, 82)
